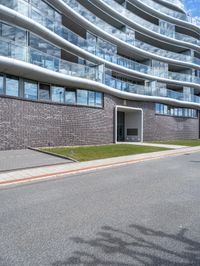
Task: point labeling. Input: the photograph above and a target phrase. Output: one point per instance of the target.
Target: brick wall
(26, 123)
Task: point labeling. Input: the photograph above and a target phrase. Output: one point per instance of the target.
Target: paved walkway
(73, 168)
(160, 145)
(18, 159)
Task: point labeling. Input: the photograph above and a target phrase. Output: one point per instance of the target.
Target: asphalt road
(141, 214)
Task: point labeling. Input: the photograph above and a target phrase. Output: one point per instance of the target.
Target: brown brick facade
(27, 123)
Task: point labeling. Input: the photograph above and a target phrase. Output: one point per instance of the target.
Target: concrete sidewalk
(160, 145)
(73, 168)
(22, 159)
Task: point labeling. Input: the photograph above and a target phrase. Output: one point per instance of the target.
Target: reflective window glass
(8, 32)
(14, 34)
(91, 99)
(70, 96)
(157, 107)
(82, 97)
(57, 94)
(99, 99)
(9, 3)
(44, 92)
(44, 46)
(23, 8)
(1, 84)
(18, 52)
(30, 90)
(12, 86)
(4, 49)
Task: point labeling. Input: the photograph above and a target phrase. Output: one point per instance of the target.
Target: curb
(91, 168)
(53, 154)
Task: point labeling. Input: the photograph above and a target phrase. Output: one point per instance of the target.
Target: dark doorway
(120, 126)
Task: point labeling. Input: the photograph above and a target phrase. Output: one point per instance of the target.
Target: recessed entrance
(128, 124)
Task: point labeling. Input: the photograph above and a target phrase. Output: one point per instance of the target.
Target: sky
(193, 6)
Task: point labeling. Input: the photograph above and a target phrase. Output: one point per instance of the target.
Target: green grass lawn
(88, 153)
(190, 143)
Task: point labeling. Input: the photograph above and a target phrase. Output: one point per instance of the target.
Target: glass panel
(82, 97)
(1, 84)
(23, 8)
(173, 111)
(44, 46)
(99, 99)
(44, 92)
(13, 33)
(91, 100)
(70, 96)
(12, 86)
(4, 49)
(8, 32)
(18, 52)
(30, 90)
(57, 94)
(36, 16)
(9, 3)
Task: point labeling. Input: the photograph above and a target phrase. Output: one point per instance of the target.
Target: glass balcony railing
(55, 26)
(178, 3)
(77, 7)
(36, 57)
(108, 52)
(33, 56)
(156, 28)
(172, 13)
(148, 91)
(165, 10)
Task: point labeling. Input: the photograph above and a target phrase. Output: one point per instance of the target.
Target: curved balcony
(148, 91)
(109, 55)
(126, 36)
(164, 9)
(146, 24)
(173, 14)
(178, 3)
(33, 56)
(30, 11)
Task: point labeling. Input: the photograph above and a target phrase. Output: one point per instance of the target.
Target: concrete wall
(133, 120)
(27, 123)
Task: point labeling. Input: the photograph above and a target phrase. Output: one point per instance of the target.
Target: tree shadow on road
(137, 245)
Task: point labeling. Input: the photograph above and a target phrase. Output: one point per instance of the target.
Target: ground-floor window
(30, 90)
(33, 90)
(12, 86)
(164, 109)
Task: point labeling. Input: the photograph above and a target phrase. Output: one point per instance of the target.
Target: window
(99, 99)
(12, 86)
(57, 94)
(44, 92)
(157, 108)
(91, 99)
(70, 96)
(82, 97)
(165, 109)
(1, 84)
(174, 111)
(33, 90)
(30, 90)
